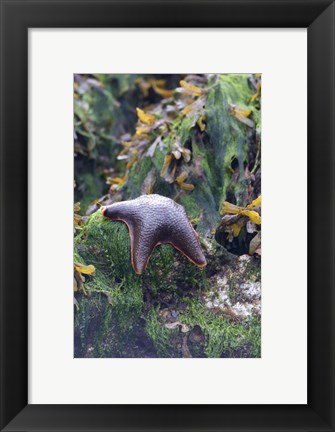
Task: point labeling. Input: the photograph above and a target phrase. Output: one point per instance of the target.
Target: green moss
(162, 338)
(158, 273)
(101, 344)
(105, 244)
(190, 277)
(127, 302)
(77, 258)
(254, 334)
(87, 321)
(224, 338)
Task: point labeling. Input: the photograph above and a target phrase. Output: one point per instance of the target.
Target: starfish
(153, 220)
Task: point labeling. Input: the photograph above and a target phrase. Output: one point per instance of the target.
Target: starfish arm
(143, 243)
(186, 241)
(184, 238)
(140, 247)
(118, 211)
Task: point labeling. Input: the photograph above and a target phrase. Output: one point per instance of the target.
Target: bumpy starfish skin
(153, 220)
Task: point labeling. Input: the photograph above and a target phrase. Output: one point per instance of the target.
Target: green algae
(236, 89)
(227, 135)
(225, 140)
(162, 338)
(224, 337)
(184, 130)
(106, 245)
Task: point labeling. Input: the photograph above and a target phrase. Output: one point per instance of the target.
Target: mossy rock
(126, 315)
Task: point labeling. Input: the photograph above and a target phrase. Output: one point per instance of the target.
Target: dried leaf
(126, 144)
(176, 154)
(255, 244)
(186, 154)
(256, 202)
(76, 303)
(192, 89)
(236, 227)
(242, 115)
(187, 109)
(133, 158)
(116, 180)
(76, 219)
(166, 164)
(162, 92)
(253, 216)
(84, 269)
(180, 180)
(201, 123)
(151, 150)
(75, 285)
(195, 110)
(148, 119)
(240, 111)
(157, 82)
(229, 219)
(245, 120)
(142, 130)
(187, 186)
(79, 281)
(231, 208)
(257, 94)
(182, 177)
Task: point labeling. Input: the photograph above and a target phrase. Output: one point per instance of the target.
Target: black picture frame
(16, 18)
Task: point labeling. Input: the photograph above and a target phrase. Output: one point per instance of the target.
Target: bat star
(153, 220)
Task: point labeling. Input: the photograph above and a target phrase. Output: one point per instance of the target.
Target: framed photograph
(167, 174)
